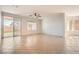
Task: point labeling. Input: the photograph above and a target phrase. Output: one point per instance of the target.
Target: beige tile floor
(40, 44)
(72, 44)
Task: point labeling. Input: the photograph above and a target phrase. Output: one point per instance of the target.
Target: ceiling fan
(35, 15)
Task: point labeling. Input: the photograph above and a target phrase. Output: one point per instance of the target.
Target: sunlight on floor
(40, 44)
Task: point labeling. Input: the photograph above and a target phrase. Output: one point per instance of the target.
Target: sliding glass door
(17, 26)
(8, 26)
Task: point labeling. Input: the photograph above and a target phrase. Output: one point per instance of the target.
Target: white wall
(54, 24)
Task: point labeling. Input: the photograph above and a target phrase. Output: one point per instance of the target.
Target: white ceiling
(71, 10)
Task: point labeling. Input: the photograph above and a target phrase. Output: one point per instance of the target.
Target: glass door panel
(8, 26)
(17, 27)
(17, 32)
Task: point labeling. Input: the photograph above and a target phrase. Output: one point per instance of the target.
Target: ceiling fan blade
(35, 14)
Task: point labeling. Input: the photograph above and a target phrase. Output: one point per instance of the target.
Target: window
(74, 25)
(31, 26)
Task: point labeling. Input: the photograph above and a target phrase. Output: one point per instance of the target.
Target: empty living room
(39, 29)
